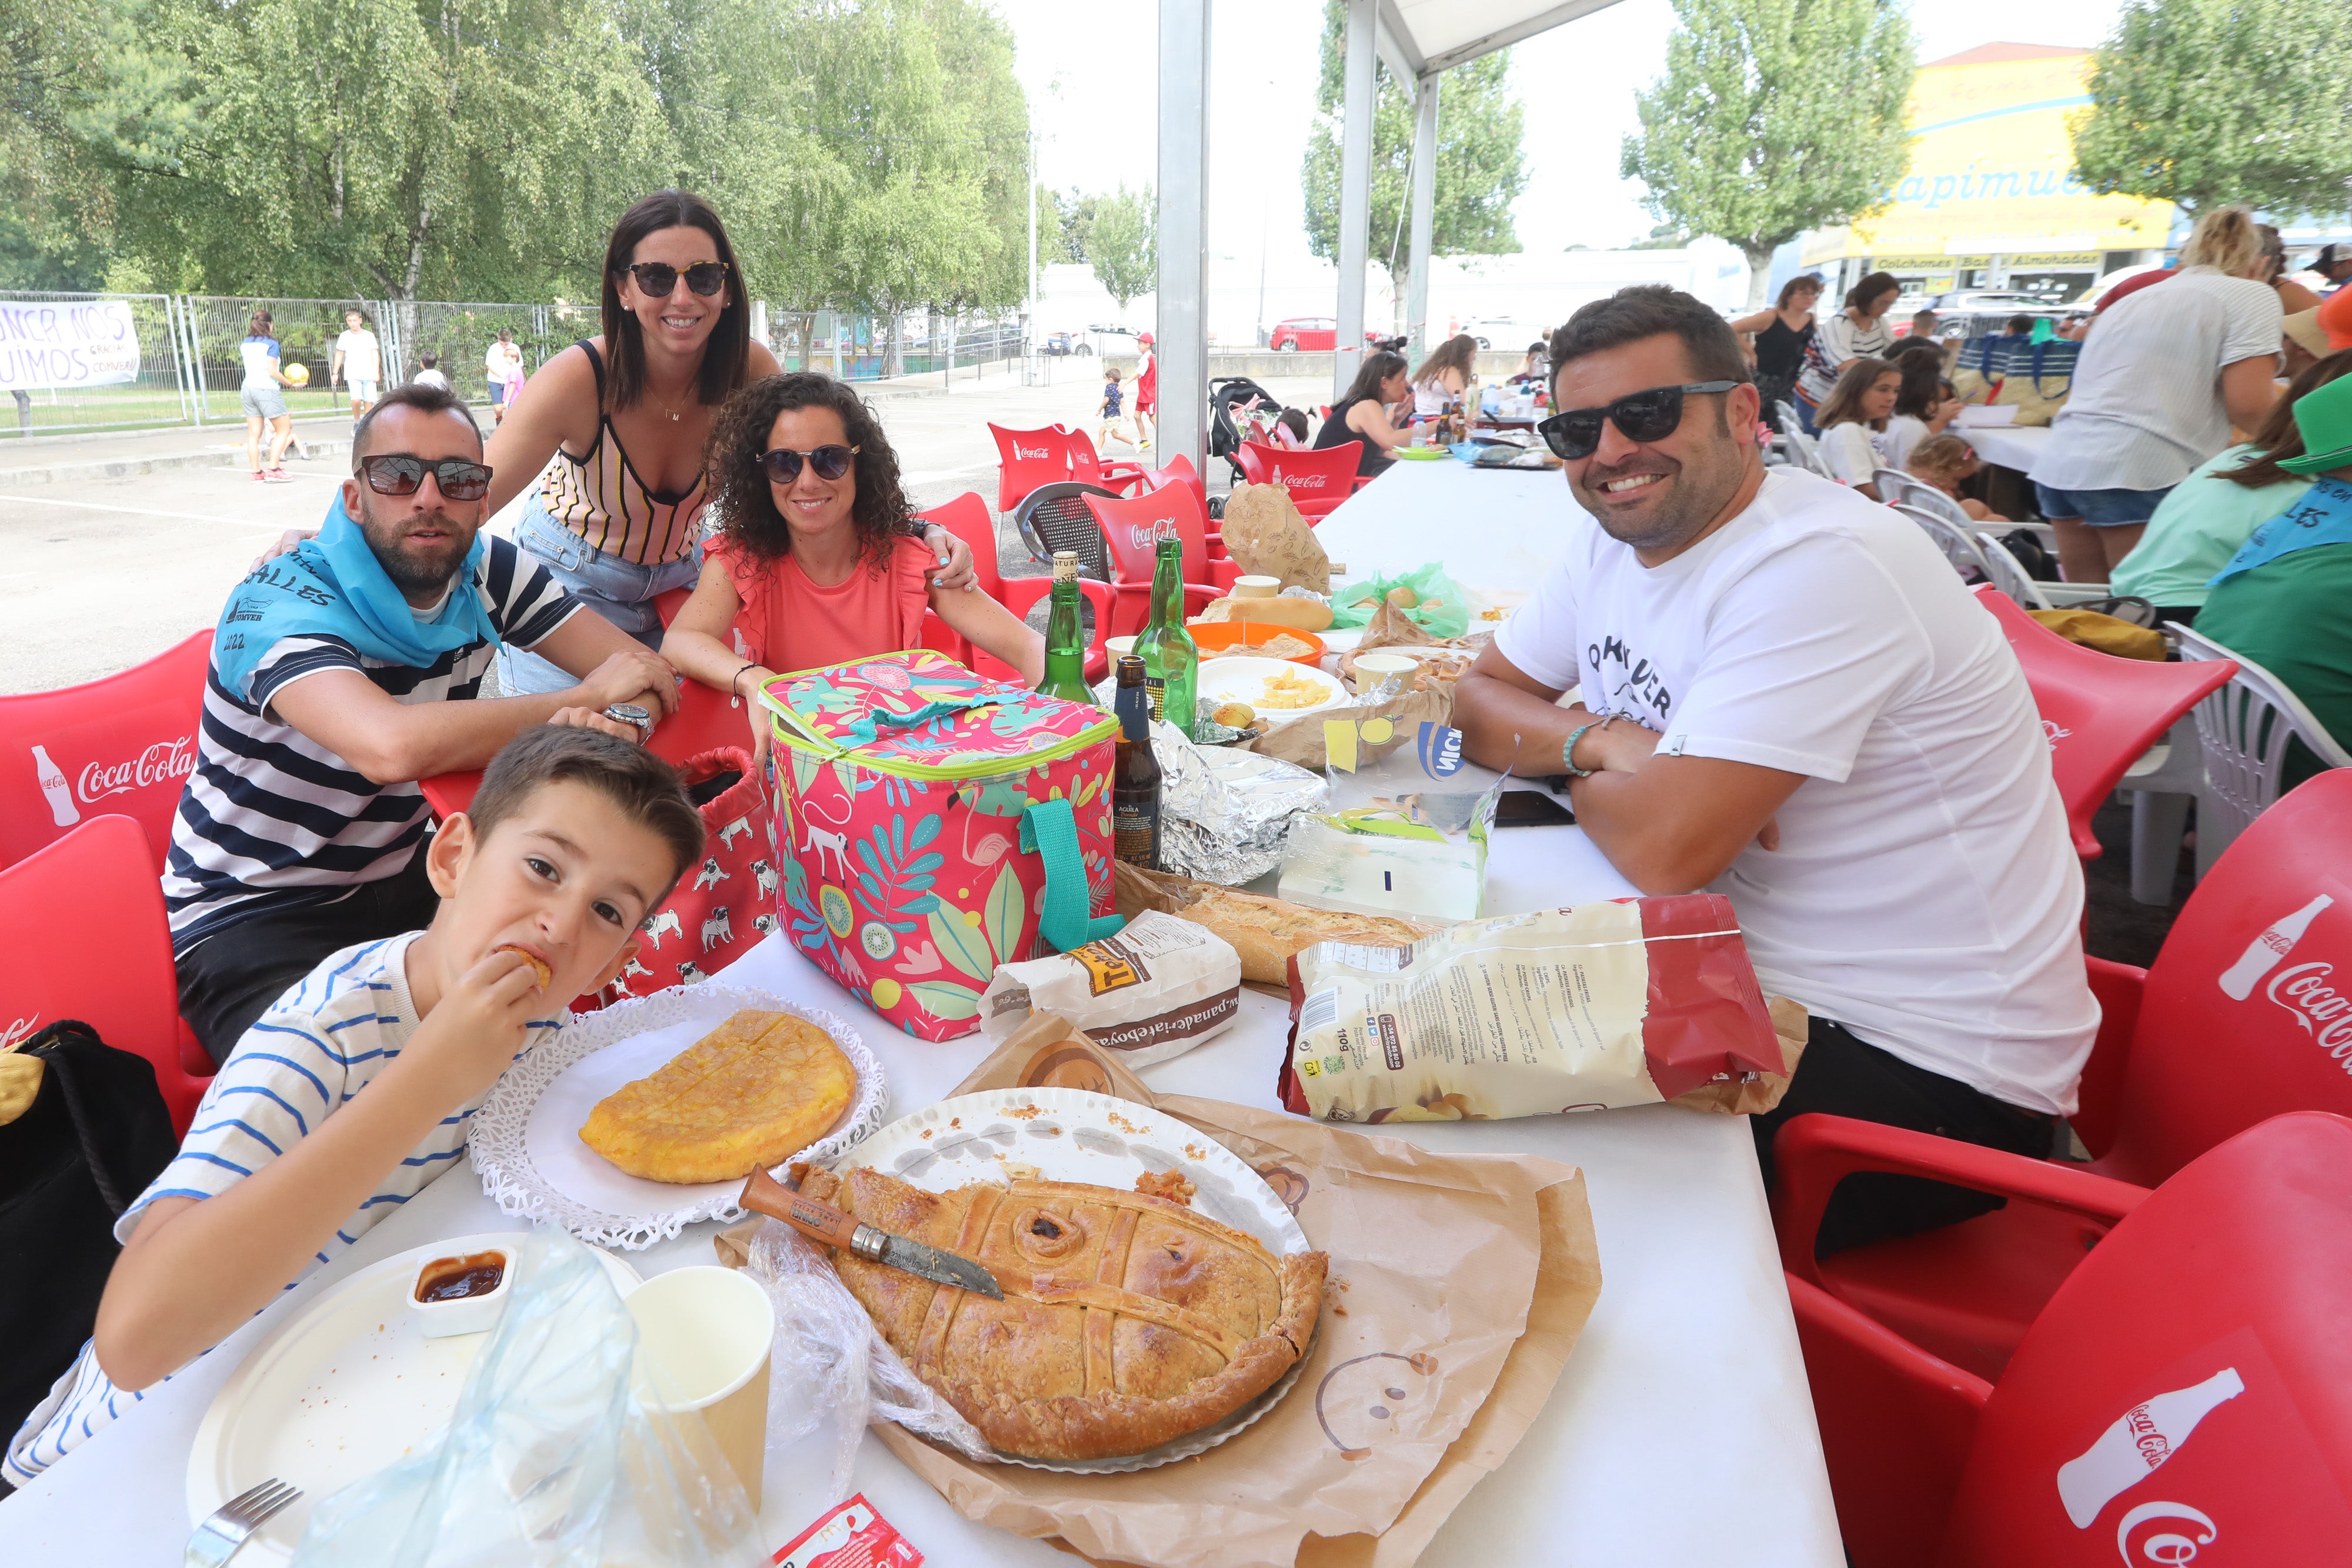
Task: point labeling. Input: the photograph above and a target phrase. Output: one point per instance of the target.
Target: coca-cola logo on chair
(2301, 989)
(161, 763)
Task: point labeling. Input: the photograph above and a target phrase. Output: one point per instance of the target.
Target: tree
(1075, 215)
(1665, 236)
(1481, 168)
(1123, 246)
(1774, 116)
(2206, 102)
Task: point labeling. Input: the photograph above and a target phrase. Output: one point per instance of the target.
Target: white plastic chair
(2242, 729)
(2161, 784)
(1971, 552)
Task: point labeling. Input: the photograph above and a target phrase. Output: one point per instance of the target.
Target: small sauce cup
(475, 1311)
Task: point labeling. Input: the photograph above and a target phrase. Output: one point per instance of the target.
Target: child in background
(1945, 462)
(1113, 424)
(1290, 428)
(1853, 421)
(355, 1090)
(428, 372)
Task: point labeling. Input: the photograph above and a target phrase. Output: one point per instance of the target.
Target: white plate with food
(342, 1388)
(531, 1139)
(1276, 689)
(1064, 1135)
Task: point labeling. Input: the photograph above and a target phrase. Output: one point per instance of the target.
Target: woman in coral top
(814, 562)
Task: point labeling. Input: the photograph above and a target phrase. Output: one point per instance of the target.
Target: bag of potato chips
(1628, 1002)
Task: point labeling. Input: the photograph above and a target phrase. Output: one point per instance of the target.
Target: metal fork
(227, 1528)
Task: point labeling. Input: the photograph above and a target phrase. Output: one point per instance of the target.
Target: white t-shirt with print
(362, 357)
(1926, 892)
(1853, 452)
(319, 1044)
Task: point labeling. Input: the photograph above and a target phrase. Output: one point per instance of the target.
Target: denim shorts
(621, 591)
(262, 400)
(2099, 508)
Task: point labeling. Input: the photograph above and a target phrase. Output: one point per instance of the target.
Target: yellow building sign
(1992, 173)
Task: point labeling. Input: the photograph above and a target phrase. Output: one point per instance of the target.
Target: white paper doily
(526, 1137)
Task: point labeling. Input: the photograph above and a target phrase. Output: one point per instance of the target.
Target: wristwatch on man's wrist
(631, 713)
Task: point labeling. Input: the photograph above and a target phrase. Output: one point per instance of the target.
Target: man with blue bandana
(342, 674)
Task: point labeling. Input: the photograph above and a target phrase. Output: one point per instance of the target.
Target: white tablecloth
(1493, 528)
(2009, 446)
(1681, 1432)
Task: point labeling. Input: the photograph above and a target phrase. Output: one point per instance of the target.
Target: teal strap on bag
(1049, 830)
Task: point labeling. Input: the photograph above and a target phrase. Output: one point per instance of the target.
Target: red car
(1309, 333)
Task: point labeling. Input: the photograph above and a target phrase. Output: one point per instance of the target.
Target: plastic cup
(708, 1330)
(1118, 646)
(1257, 587)
(1380, 677)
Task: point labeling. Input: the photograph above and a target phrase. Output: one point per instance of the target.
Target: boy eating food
(356, 1089)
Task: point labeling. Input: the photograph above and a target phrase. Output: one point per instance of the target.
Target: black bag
(93, 1139)
(2031, 554)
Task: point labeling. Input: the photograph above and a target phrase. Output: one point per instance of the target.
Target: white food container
(465, 1315)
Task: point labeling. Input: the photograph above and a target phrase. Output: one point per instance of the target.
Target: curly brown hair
(740, 497)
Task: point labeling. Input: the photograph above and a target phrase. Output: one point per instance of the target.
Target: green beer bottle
(1171, 665)
(1065, 644)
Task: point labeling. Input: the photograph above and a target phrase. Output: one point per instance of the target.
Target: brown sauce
(454, 1279)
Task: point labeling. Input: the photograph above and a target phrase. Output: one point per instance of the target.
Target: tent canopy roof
(1421, 38)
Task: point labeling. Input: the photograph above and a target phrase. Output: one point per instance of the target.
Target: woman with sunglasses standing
(815, 562)
(611, 430)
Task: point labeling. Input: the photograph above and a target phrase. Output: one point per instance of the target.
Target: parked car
(1502, 332)
(1983, 301)
(1108, 337)
(1065, 343)
(1309, 333)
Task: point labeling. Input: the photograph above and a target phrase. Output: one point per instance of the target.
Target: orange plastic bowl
(1226, 637)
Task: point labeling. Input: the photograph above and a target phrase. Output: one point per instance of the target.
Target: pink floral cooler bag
(934, 823)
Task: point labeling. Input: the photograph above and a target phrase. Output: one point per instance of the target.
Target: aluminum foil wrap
(1226, 815)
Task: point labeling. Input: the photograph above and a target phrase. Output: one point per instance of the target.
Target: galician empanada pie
(1128, 1321)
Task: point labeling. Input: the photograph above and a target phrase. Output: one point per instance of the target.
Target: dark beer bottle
(1135, 773)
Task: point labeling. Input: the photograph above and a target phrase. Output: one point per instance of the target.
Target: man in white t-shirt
(359, 359)
(1813, 716)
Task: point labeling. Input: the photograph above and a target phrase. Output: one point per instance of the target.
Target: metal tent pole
(1355, 192)
(1182, 219)
(1424, 206)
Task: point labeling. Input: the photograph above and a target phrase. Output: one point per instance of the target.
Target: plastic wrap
(548, 1461)
(830, 1366)
(1226, 815)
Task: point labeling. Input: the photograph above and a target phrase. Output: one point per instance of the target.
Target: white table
(1681, 1431)
(2009, 446)
(1492, 527)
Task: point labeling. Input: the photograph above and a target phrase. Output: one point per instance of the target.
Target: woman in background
(1439, 383)
(1857, 331)
(263, 401)
(1363, 413)
(1782, 334)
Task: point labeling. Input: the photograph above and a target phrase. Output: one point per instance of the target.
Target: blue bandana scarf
(2323, 516)
(332, 586)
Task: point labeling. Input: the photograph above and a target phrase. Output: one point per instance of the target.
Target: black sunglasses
(1651, 415)
(783, 464)
(398, 473)
(657, 279)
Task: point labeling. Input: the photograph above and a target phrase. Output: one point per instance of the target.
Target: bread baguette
(1307, 614)
(1264, 931)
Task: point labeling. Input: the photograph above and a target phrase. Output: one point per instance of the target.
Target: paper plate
(1242, 680)
(526, 1137)
(1076, 1135)
(338, 1392)
(1419, 453)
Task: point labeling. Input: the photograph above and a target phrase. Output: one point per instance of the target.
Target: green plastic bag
(1354, 603)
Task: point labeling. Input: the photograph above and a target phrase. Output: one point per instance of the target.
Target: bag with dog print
(935, 824)
(718, 909)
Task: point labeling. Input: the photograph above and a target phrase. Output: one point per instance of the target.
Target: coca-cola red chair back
(2186, 1394)
(1132, 528)
(2101, 713)
(1088, 466)
(124, 745)
(1317, 478)
(1180, 468)
(2247, 1011)
(967, 518)
(1027, 459)
(82, 935)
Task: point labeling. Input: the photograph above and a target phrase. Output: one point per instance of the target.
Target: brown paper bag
(1300, 739)
(1266, 536)
(1459, 1284)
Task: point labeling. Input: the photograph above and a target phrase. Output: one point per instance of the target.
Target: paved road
(97, 575)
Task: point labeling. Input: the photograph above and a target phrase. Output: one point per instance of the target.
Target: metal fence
(100, 361)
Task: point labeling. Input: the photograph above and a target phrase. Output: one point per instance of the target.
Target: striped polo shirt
(323, 1042)
(272, 820)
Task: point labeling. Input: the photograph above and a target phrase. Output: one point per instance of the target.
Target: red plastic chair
(82, 935)
(2190, 1052)
(2101, 712)
(1317, 478)
(122, 745)
(1089, 468)
(966, 517)
(1179, 469)
(2189, 1386)
(1133, 528)
(1027, 459)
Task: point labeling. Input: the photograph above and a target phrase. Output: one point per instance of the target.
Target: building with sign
(1991, 200)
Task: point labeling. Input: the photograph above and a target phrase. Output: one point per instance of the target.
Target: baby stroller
(1228, 397)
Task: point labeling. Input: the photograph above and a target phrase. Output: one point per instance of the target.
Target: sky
(1089, 65)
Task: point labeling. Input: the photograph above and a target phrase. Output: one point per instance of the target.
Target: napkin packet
(1153, 990)
(1626, 1002)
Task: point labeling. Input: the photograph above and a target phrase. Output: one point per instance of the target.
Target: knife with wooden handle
(822, 1222)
